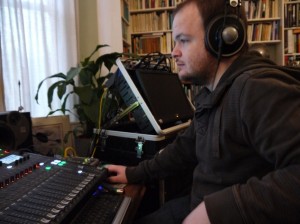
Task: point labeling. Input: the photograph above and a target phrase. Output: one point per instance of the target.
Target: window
(38, 39)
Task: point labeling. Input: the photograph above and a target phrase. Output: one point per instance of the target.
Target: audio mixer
(40, 189)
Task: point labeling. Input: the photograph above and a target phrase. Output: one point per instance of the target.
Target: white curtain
(38, 39)
(2, 104)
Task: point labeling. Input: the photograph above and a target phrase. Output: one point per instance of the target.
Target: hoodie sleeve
(177, 156)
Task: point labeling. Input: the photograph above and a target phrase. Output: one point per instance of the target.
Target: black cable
(219, 55)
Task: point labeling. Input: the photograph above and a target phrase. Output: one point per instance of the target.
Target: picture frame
(48, 134)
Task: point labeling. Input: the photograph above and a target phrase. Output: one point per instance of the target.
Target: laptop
(163, 107)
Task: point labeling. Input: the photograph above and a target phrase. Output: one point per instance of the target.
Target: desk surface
(136, 193)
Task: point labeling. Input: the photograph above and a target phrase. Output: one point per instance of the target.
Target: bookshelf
(125, 22)
(151, 25)
(291, 51)
(264, 26)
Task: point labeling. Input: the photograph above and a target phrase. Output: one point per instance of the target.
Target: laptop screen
(163, 105)
(164, 95)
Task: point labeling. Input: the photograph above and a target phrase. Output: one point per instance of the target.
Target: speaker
(15, 130)
(225, 34)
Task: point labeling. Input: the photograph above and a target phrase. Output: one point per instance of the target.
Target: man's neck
(222, 67)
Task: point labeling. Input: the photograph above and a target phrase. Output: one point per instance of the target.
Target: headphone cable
(219, 56)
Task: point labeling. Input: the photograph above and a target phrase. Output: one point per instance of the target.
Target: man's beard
(203, 76)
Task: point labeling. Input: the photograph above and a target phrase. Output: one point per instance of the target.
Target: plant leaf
(108, 59)
(87, 59)
(100, 82)
(85, 76)
(74, 71)
(111, 60)
(55, 111)
(51, 92)
(58, 75)
(92, 110)
(63, 106)
(61, 89)
(85, 94)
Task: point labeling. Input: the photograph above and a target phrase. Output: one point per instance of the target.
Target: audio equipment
(15, 130)
(40, 189)
(226, 34)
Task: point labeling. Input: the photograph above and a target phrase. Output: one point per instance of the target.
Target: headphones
(226, 34)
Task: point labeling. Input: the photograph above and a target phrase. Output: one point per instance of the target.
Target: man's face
(194, 62)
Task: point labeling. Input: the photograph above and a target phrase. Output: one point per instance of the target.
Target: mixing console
(40, 189)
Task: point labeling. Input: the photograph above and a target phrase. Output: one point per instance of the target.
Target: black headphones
(226, 34)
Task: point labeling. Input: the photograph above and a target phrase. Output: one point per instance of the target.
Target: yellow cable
(100, 107)
(95, 147)
(100, 117)
(73, 151)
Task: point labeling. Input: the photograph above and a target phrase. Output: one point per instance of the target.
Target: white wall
(110, 27)
(87, 27)
(99, 23)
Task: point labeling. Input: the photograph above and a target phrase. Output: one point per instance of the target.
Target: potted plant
(86, 81)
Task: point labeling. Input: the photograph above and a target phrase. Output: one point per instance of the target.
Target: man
(244, 141)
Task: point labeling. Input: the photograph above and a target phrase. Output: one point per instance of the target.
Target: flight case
(129, 148)
(160, 109)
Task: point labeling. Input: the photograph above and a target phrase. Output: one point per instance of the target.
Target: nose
(175, 52)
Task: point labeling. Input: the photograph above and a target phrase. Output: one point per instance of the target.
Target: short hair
(208, 9)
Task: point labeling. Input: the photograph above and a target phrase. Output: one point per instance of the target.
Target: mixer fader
(40, 189)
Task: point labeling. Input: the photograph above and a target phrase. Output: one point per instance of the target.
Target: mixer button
(43, 220)
(64, 202)
(79, 188)
(82, 185)
(72, 195)
(68, 198)
(75, 191)
(54, 210)
(60, 206)
(51, 216)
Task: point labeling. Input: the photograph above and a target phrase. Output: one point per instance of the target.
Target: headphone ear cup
(231, 36)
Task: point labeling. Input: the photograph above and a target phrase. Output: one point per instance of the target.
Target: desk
(136, 193)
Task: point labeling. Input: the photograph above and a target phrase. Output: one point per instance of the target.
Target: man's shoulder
(273, 72)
